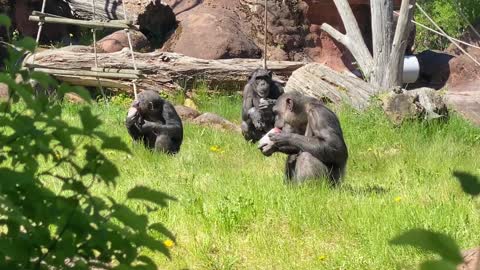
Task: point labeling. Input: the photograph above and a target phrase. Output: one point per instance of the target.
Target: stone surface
(210, 30)
(118, 40)
(422, 103)
(471, 260)
(216, 121)
(186, 113)
(465, 99)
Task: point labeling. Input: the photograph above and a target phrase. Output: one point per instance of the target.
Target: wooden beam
(87, 73)
(83, 23)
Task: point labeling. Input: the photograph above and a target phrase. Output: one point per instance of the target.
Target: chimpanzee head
(149, 104)
(261, 80)
(290, 110)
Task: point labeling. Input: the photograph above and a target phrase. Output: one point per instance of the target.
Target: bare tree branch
(404, 25)
(353, 39)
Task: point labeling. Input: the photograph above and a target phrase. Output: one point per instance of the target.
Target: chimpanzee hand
(280, 138)
(257, 120)
(266, 104)
(268, 149)
(148, 126)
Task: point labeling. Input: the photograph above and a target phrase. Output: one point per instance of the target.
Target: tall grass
(235, 212)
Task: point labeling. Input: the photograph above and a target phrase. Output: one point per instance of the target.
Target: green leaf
(5, 21)
(438, 265)
(27, 43)
(470, 183)
(149, 264)
(130, 218)
(435, 242)
(89, 121)
(163, 230)
(147, 194)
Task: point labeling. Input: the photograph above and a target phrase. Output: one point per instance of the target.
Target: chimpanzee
(259, 97)
(155, 121)
(311, 135)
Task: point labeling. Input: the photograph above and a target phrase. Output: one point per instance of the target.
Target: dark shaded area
(470, 183)
(157, 24)
(434, 69)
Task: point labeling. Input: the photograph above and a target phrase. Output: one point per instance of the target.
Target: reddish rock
(118, 40)
(215, 121)
(51, 32)
(210, 30)
(3, 91)
(186, 113)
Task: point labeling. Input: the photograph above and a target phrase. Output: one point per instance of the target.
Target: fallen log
(159, 69)
(321, 82)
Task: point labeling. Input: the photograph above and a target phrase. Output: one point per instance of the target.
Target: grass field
(234, 212)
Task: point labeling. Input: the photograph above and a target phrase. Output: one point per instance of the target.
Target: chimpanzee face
(287, 112)
(149, 104)
(262, 86)
(261, 80)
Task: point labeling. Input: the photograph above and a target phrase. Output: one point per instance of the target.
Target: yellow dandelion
(397, 199)
(169, 243)
(216, 149)
(322, 257)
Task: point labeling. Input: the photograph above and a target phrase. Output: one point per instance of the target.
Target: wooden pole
(266, 37)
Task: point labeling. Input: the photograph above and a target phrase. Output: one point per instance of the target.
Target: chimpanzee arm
(173, 123)
(247, 102)
(325, 143)
(132, 124)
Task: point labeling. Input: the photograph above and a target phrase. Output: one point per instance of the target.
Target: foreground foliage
(49, 216)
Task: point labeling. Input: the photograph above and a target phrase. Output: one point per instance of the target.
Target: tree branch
(353, 39)
(382, 29)
(404, 25)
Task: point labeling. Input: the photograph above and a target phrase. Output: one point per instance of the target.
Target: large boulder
(211, 31)
(423, 103)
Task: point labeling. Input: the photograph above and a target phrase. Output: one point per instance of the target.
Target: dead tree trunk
(384, 68)
(161, 70)
(319, 81)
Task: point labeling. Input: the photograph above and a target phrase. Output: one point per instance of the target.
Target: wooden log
(319, 81)
(159, 69)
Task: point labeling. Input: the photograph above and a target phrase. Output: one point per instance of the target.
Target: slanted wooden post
(385, 67)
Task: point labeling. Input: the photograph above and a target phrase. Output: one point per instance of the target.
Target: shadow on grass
(364, 190)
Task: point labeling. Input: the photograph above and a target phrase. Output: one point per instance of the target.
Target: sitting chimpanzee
(259, 97)
(311, 135)
(155, 121)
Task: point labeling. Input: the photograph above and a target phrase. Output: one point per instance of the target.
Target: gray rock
(422, 103)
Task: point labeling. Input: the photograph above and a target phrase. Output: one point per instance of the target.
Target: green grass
(234, 212)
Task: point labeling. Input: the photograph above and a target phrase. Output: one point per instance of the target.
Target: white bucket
(411, 69)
